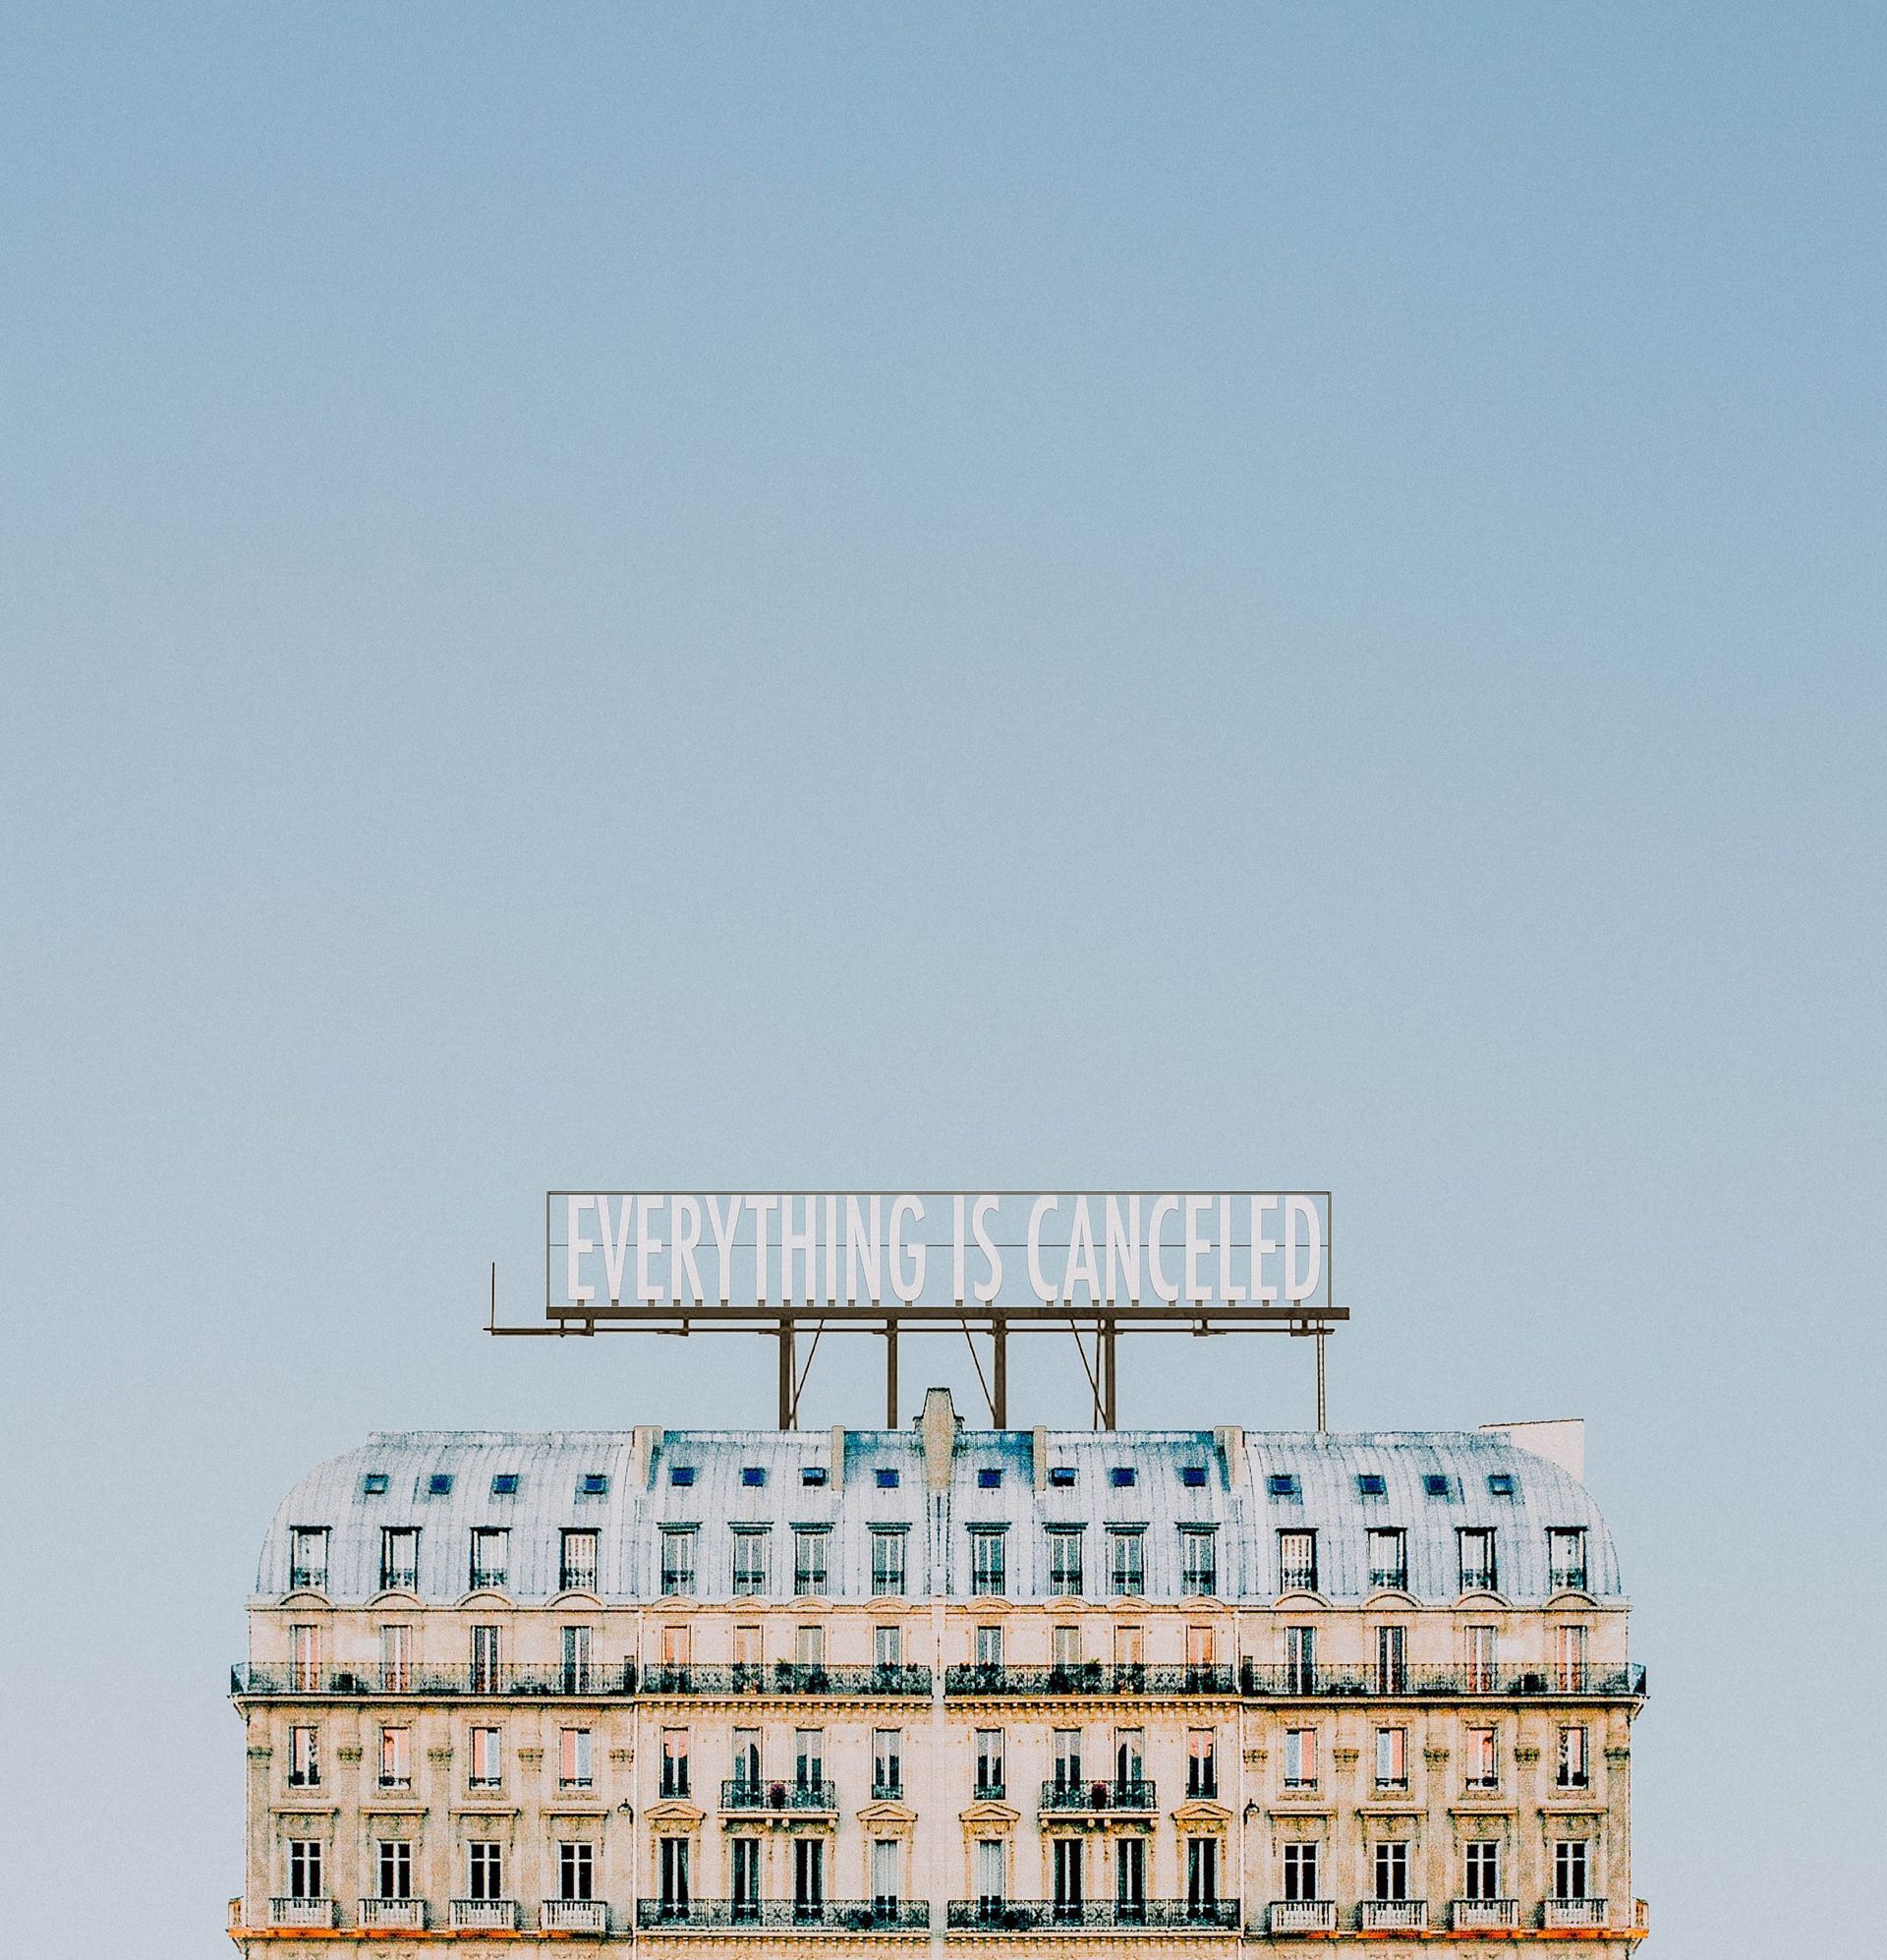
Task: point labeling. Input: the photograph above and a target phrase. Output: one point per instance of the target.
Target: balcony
(393, 1915)
(1086, 1678)
(1393, 1915)
(786, 1677)
(814, 1794)
(1092, 1916)
(1388, 1578)
(304, 1913)
(483, 1915)
(1543, 1680)
(1295, 1916)
(1132, 1795)
(361, 1680)
(1572, 1915)
(1484, 1915)
(574, 1916)
(777, 1916)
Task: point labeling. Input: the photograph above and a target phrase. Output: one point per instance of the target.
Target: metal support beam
(788, 1377)
(1109, 1377)
(1321, 1337)
(890, 1374)
(999, 1404)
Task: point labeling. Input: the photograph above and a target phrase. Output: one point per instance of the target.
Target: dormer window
(1062, 1476)
(812, 1476)
(753, 1475)
(577, 1566)
(308, 1558)
(1193, 1476)
(374, 1484)
(1297, 1561)
(886, 1480)
(1372, 1483)
(593, 1483)
(399, 1559)
(988, 1480)
(1499, 1485)
(1389, 1559)
(1280, 1483)
(439, 1484)
(1124, 1477)
(490, 1558)
(681, 1475)
(1478, 1572)
(1565, 1558)
(1435, 1484)
(505, 1485)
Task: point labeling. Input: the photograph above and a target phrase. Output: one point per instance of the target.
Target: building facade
(988, 1692)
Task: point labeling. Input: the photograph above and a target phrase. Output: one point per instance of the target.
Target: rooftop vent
(681, 1475)
(593, 1483)
(753, 1475)
(505, 1485)
(374, 1484)
(1499, 1485)
(1124, 1477)
(439, 1484)
(1193, 1476)
(1434, 1483)
(812, 1475)
(1062, 1476)
(1281, 1484)
(886, 1480)
(1371, 1485)
(988, 1480)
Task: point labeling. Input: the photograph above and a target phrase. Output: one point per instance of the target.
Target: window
(1201, 1647)
(886, 1480)
(1202, 1762)
(1064, 1563)
(750, 1561)
(989, 1646)
(1566, 1559)
(885, 1874)
(888, 1648)
(1568, 1867)
(305, 1869)
(1477, 1655)
(576, 1871)
(487, 1670)
(1392, 1759)
(812, 1476)
(488, 1769)
(1066, 1745)
(576, 1761)
(593, 1483)
(308, 1558)
(1067, 1869)
(577, 1567)
(809, 1758)
(490, 1558)
(1371, 1485)
(753, 1475)
(485, 1870)
(1483, 1758)
(505, 1485)
(1499, 1485)
(1124, 1477)
(808, 1561)
(809, 1646)
(887, 1563)
(678, 1560)
(988, 1480)
(1301, 1759)
(1300, 1660)
(674, 1763)
(1129, 1756)
(1193, 1476)
(1062, 1476)
(1569, 1659)
(1435, 1484)
(988, 1762)
(399, 1559)
(809, 1873)
(1300, 1870)
(305, 1659)
(1202, 1873)
(1392, 1671)
(1128, 1563)
(1130, 1875)
(1477, 1561)
(396, 1759)
(1573, 1774)
(576, 1660)
(888, 1763)
(1392, 1869)
(681, 1475)
(395, 1864)
(1200, 1561)
(374, 1484)
(304, 1759)
(746, 1760)
(439, 1484)
(1389, 1559)
(677, 1643)
(1481, 1870)
(746, 1877)
(673, 1871)
(1280, 1483)
(1297, 1561)
(1064, 1649)
(986, 1562)
(989, 1873)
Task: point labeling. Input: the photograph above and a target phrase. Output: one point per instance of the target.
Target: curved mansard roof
(1242, 1496)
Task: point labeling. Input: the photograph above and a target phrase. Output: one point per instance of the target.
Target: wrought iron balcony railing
(1092, 1916)
(785, 1677)
(1130, 1793)
(1511, 1679)
(812, 1794)
(783, 1915)
(596, 1682)
(1091, 1676)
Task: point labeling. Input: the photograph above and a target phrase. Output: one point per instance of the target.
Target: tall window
(1202, 1873)
(746, 1760)
(1389, 1559)
(887, 1563)
(1067, 1869)
(1391, 1869)
(808, 1873)
(1129, 1756)
(988, 1762)
(986, 1562)
(1300, 1660)
(485, 1870)
(396, 1660)
(1568, 1867)
(1066, 1745)
(1477, 1653)
(988, 1871)
(1481, 1868)
(674, 1763)
(304, 1759)
(490, 1558)
(576, 1759)
(487, 1765)
(750, 1562)
(486, 1666)
(396, 1758)
(1301, 1871)
(1566, 1559)
(1569, 1655)
(1483, 1758)
(1392, 1759)
(308, 1558)
(1064, 1649)
(809, 1646)
(748, 1652)
(1130, 1873)
(1300, 1761)
(305, 1880)
(1297, 1561)
(885, 1874)
(577, 1567)
(673, 1865)
(809, 1562)
(989, 1646)
(1201, 1649)
(1127, 1560)
(678, 1560)
(399, 1559)
(1199, 1562)
(1392, 1671)
(305, 1659)
(1202, 1762)
(745, 1877)
(888, 1763)
(888, 1648)
(809, 1758)
(1574, 1773)
(1477, 1561)
(576, 1660)
(576, 1871)
(1064, 1563)
(395, 1863)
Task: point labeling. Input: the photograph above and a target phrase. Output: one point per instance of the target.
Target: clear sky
(940, 597)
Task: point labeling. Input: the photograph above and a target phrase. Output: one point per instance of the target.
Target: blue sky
(1068, 597)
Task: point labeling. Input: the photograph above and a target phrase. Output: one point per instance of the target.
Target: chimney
(937, 1426)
